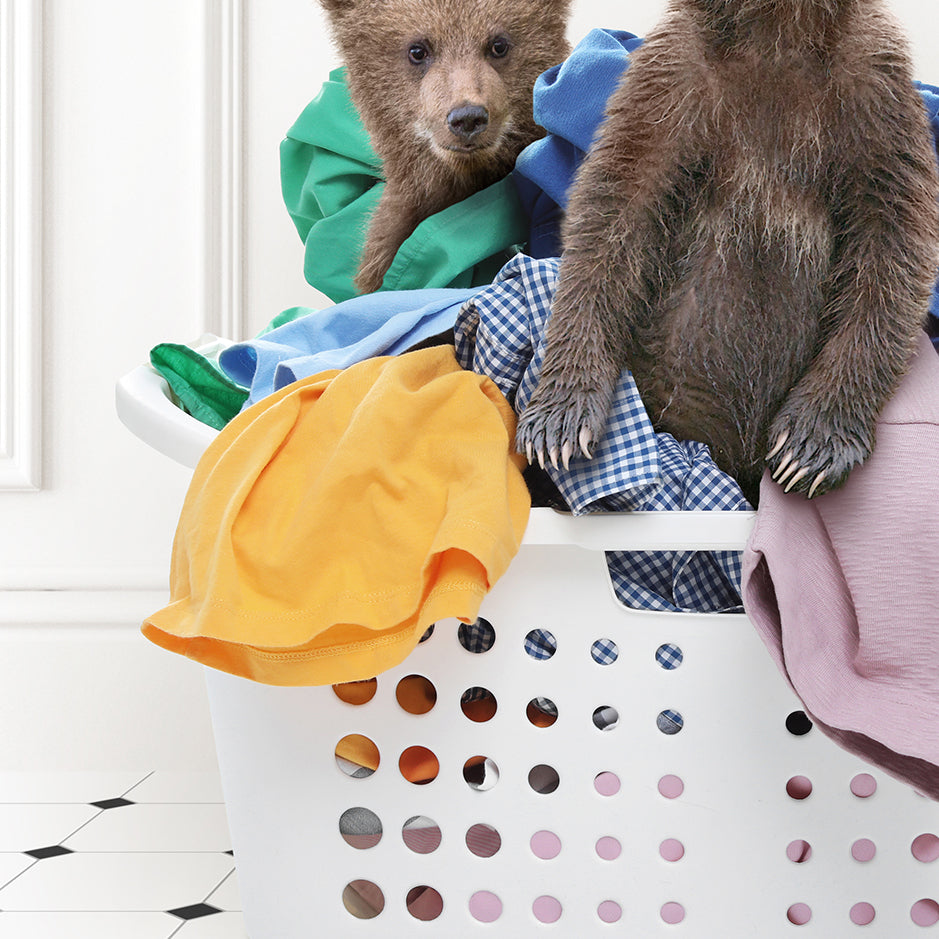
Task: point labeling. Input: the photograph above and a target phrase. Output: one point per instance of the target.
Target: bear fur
(754, 234)
(444, 90)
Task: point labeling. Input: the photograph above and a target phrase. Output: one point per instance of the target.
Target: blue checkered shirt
(500, 332)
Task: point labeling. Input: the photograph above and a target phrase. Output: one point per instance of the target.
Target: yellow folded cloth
(328, 525)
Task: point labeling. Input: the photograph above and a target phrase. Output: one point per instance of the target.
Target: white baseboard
(90, 693)
(68, 609)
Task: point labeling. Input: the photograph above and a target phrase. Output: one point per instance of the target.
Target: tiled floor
(116, 855)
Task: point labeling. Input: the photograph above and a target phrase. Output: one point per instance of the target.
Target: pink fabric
(844, 590)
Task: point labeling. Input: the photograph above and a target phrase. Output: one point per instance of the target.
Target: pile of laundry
(358, 490)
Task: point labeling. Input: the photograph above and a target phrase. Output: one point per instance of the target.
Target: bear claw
(815, 484)
(780, 440)
(796, 478)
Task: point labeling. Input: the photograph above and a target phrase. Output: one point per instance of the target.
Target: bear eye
(418, 53)
(499, 47)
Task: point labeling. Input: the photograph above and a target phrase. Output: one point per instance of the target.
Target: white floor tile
(227, 896)
(156, 827)
(24, 827)
(117, 882)
(219, 926)
(12, 865)
(178, 787)
(66, 787)
(86, 925)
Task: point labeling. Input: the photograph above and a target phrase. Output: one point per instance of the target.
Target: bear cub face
(444, 89)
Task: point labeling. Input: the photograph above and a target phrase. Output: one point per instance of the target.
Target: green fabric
(202, 390)
(331, 183)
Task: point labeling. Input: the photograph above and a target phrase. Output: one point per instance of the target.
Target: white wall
(139, 199)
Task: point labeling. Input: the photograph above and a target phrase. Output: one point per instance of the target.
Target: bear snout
(467, 122)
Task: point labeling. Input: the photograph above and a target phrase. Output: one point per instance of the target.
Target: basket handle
(642, 531)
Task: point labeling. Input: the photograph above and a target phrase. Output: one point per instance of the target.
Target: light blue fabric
(385, 323)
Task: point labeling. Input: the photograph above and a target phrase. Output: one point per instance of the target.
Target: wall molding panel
(224, 167)
(20, 244)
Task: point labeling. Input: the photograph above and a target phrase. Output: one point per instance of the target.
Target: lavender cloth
(842, 590)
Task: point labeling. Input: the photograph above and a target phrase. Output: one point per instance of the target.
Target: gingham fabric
(540, 644)
(604, 652)
(500, 332)
(669, 656)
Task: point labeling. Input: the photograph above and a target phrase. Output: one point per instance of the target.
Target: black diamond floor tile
(55, 850)
(195, 911)
(111, 803)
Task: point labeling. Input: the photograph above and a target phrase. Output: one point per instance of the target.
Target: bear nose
(468, 121)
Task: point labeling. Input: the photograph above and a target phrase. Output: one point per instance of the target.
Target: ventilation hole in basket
(672, 913)
(547, 909)
(357, 756)
(424, 903)
(361, 828)
(480, 772)
(605, 717)
(427, 633)
(544, 779)
(416, 694)
(485, 907)
(925, 912)
(610, 911)
(925, 848)
(608, 848)
(356, 692)
(799, 914)
(604, 652)
(363, 899)
(671, 849)
(545, 845)
(862, 914)
(669, 656)
(863, 785)
(540, 644)
(477, 637)
(606, 783)
(479, 704)
(799, 787)
(421, 834)
(542, 712)
(419, 765)
(798, 851)
(798, 723)
(671, 786)
(863, 850)
(670, 722)
(483, 840)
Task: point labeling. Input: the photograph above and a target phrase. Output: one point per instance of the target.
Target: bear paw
(560, 422)
(811, 454)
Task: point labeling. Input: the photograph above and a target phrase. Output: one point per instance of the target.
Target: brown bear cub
(754, 234)
(444, 89)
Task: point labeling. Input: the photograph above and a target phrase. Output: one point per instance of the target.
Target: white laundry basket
(742, 824)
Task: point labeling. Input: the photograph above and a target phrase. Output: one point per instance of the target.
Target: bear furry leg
(395, 217)
(881, 275)
(619, 241)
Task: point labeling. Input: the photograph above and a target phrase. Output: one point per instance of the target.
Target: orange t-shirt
(328, 525)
